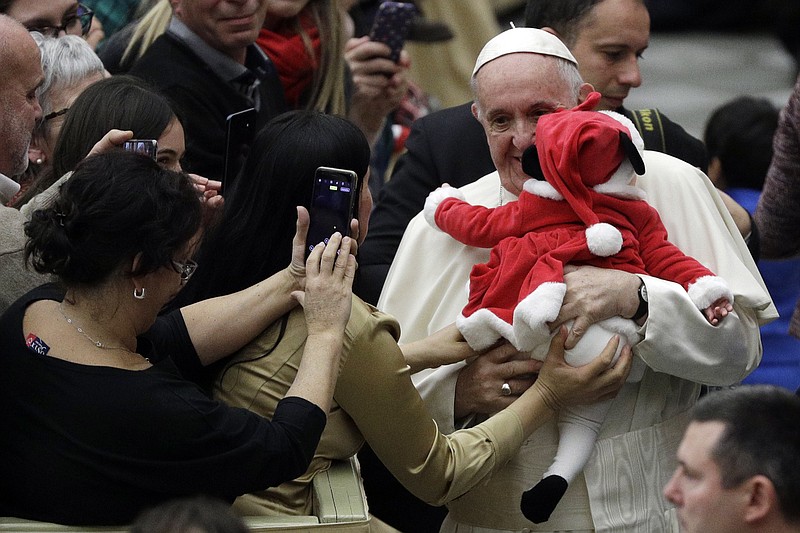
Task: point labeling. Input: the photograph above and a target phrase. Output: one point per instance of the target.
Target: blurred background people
(20, 77)
(777, 216)
(55, 18)
(739, 138)
(119, 102)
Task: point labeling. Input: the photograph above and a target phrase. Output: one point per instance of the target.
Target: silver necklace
(80, 329)
(93, 341)
(500, 198)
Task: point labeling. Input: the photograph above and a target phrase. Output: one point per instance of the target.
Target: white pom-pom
(435, 198)
(603, 239)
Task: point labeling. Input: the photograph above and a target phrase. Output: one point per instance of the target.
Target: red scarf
(286, 50)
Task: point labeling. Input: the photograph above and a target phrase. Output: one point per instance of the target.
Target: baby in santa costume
(583, 208)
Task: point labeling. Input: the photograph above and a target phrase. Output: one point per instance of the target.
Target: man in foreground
(738, 463)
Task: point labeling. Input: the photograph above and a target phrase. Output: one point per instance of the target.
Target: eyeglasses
(75, 24)
(185, 269)
(55, 114)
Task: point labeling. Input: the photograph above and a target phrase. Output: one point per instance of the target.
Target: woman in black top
(98, 423)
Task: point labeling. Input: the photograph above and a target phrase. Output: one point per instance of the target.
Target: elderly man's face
(226, 25)
(513, 91)
(703, 505)
(19, 106)
(608, 48)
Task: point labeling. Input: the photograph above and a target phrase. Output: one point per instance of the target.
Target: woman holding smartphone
(375, 400)
(98, 420)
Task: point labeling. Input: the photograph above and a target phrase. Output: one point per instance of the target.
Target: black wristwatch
(643, 305)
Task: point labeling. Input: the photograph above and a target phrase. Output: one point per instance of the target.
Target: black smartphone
(391, 25)
(331, 207)
(239, 132)
(148, 147)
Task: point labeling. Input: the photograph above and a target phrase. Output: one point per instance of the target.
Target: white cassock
(621, 487)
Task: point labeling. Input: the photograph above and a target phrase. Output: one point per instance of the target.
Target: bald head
(20, 75)
(14, 38)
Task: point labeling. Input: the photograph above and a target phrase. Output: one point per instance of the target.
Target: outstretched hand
(443, 347)
(561, 384)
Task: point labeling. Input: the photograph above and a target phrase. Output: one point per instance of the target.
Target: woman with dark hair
(124, 103)
(375, 400)
(120, 102)
(262, 204)
(98, 422)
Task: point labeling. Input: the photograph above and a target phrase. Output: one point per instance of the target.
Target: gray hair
(66, 61)
(567, 70)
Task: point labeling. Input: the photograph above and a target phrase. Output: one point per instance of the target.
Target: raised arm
(220, 326)
(438, 468)
(473, 225)
(379, 84)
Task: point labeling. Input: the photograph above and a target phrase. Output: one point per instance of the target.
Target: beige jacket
(374, 400)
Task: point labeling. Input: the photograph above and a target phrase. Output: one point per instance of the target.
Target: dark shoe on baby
(538, 502)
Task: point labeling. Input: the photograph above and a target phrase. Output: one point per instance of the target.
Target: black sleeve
(660, 134)
(754, 240)
(448, 146)
(170, 338)
(680, 144)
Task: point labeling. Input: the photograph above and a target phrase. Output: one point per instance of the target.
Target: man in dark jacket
(208, 65)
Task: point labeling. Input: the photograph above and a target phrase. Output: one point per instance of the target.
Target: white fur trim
(542, 188)
(483, 328)
(708, 289)
(636, 137)
(619, 184)
(534, 312)
(603, 239)
(435, 198)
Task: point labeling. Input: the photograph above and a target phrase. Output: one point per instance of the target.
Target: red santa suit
(582, 209)
(585, 213)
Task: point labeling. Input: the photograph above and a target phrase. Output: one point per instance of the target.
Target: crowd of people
(171, 352)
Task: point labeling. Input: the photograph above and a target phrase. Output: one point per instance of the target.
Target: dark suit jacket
(449, 146)
(202, 100)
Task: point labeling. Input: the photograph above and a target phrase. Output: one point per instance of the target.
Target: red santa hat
(579, 149)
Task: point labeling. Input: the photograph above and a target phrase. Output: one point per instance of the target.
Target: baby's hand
(717, 311)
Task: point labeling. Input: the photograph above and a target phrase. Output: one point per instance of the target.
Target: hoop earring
(138, 295)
